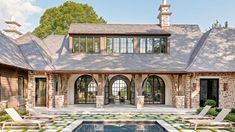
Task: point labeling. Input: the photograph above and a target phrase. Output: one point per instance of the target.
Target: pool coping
(76, 123)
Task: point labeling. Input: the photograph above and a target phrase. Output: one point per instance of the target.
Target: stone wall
(226, 89)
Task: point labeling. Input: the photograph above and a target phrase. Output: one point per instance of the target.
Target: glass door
(40, 92)
(209, 89)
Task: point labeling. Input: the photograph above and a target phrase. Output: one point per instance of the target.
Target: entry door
(209, 89)
(40, 92)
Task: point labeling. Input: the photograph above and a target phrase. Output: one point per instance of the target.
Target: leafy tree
(58, 19)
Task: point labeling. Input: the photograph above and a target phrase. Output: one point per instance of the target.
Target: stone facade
(226, 89)
(180, 102)
(99, 101)
(59, 101)
(140, 102)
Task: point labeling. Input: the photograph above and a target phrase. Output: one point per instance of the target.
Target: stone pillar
(100, 91)
(51, 89)
(140, 102)
(139, 99)
(59, 101)
(99, 101)
(31, 90)
(180, 102)
(64, 87)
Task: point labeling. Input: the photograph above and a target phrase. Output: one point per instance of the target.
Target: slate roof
(117, 29)
(190, 51)
(35, 52)
(10, 53)
(183, 39)
(215, 53)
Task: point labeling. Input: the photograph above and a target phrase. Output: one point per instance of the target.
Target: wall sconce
(225, 86)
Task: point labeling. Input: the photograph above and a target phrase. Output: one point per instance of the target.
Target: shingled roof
(35, 52)
(10, 54)
(215, 52)
(117, 29)
(182, 40)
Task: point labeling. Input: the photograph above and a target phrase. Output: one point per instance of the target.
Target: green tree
(58, 19)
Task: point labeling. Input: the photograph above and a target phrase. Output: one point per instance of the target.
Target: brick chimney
(12, 28)
(164, 15)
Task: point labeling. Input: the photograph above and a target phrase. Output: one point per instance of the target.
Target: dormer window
(156, 45)
(121, 44)
(86, 44)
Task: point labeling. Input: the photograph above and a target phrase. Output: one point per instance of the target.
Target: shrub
(210, 102)
(230, 117)
(22, 111)
(233, 110)
(2, 112)
(218, 109)
(213, 112)
(4, 117)
(199, 110)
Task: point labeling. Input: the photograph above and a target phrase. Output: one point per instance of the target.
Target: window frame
(23, 87)
(86, 44)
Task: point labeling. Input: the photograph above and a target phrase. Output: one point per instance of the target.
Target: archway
(154, 90)
(119, 90)
(85, 90)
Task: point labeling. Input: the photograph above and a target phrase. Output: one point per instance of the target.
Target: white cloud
(22, 10)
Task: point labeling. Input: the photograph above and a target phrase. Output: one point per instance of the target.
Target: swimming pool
(119, 126)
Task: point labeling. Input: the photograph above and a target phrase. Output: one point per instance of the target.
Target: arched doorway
(154, 90)
(85, 90)
(119, 90)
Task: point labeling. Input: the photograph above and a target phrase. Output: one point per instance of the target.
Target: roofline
(124, 34)
(12, 66)
(126, 72)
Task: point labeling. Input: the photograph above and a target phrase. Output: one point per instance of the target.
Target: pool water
(120, 127)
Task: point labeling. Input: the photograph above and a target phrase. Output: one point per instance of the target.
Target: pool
(120, 127)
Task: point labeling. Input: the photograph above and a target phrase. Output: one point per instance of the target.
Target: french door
(40, 97)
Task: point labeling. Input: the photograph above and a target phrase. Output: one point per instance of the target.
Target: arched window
(154, 90)
(85, 90)
(119, 89)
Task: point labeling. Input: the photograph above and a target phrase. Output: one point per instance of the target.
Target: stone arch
(168, 86)
(71, 82)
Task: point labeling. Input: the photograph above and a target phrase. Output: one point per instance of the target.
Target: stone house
(135, 64)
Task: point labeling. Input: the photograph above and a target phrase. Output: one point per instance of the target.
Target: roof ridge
(202, 41)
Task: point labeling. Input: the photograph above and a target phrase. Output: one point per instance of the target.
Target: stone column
(31, 90)
(139, 99)
(51, 89)
(100, 91)
(180, 102)
(64, 87)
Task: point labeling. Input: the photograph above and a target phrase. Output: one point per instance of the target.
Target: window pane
(149, 45)
(109, 44)
(130, 45)
(142, 45)
(75, 45)
(123, 45)
(156, 45)
(82, 44)
(90, 45)
(96, 44)
(21, 86)
(116, 45)
(163, 45)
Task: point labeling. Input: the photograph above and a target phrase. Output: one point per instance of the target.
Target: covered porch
(104, 90)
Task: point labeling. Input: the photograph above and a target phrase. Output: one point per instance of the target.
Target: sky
(201, 12)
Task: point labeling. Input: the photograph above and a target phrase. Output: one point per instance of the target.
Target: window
(115, 45)
(21, 86)
(142, 45)
(86, 44)
(123, 45)
(120, 44)
(109, 44)
(153, 45)
(130, 45)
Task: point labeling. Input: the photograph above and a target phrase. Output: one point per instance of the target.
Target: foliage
(199, 110)
(213, 112)
(4, 116)
(210, 102)
(230, 117)
(233, 110)
(58, 19)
